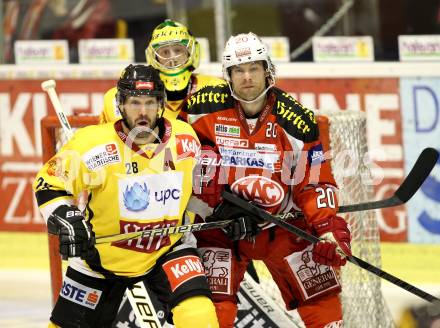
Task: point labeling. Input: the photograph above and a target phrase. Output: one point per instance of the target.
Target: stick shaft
(313, 239)
(51, 92)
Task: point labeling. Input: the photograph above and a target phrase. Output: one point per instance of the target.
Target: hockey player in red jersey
(264, 146)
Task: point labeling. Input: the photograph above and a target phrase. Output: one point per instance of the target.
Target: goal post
(51, 140)
(344, 134)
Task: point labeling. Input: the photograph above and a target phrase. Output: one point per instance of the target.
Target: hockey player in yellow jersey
(138, 175)
(175, 52)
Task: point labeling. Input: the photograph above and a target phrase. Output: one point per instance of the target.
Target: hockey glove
(335, 244)
(74, 232)
(206, 184)
(243, 225)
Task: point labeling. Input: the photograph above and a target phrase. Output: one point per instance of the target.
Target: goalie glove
(76, 237)
(243, 225)
(334, 246)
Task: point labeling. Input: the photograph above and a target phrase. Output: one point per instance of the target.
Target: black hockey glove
(243, 225)
(74, 232)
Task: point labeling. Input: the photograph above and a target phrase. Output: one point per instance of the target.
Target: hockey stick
(407, 189)
(161, 232)
(49, 87)
(249, 207)
(418, 174)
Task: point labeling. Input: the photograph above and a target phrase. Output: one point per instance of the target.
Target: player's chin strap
(263, 93)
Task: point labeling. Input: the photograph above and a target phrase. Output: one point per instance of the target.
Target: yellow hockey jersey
(129, 189)
(111, 113)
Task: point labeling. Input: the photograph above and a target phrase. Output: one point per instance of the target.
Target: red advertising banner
(23, 104)
(380, 99)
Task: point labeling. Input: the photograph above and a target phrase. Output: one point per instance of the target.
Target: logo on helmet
(243, 52)
(142, 85)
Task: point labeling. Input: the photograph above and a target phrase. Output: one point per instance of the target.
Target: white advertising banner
(419, 47)
(279, 49)
(343, 48)
(205, 55)
(106, 51)
(41, 52)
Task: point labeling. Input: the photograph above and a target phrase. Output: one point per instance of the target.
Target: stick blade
(418, 174)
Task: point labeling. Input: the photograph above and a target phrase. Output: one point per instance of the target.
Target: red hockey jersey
(275, 160)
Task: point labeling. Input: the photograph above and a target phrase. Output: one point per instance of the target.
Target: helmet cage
(168, 33)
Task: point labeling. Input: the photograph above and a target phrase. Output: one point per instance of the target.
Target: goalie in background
(175, 52)
(261, 144)
(137, 177)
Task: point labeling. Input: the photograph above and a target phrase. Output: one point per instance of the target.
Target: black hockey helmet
(140, 80)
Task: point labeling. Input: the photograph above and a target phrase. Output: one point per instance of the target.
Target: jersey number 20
(326, 197)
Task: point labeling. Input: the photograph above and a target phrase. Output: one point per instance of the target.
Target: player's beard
(141, 127)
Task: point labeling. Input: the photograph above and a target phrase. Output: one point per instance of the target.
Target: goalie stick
(254, 210)
(420, 171)
(49, 87)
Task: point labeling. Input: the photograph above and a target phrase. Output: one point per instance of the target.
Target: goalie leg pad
(195, 312)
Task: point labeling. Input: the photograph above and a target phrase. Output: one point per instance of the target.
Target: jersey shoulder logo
(209, 99)
(296, 120)
(101, 155)
(187, 146)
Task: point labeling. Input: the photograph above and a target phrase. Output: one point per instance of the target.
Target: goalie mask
(246, 48)
(173, 51)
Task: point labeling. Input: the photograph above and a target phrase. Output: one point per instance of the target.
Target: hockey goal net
(344, 133)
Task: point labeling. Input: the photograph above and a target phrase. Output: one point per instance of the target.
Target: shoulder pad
(204, 80)
(296, 120)
(209, 99)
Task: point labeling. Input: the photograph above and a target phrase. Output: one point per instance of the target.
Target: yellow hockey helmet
(174, 73)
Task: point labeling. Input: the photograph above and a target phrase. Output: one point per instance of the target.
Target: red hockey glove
(335, 244)
(206, 184)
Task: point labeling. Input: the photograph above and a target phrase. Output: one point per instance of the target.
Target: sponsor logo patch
(150, 196)
(259, 189)
(248, 158)
(312, 278)
(182, 269)
(243, 52)
(231, 142)
(187, 146)
(227, 130)
(217, 263)
(78, 293)
(101, 155)
(142, 85)
(144, 244)
(264, 146)
(136, 197)
(316, 155)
